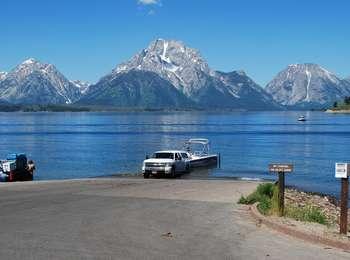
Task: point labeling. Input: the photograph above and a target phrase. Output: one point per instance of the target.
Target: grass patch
(307, 214)
(266, 195)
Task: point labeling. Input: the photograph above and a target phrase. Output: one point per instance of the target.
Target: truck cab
(166, 163)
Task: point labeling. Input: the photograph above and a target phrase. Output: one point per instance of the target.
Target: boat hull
(204, 161)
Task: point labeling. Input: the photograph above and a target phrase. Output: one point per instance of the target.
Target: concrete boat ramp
(121, 218)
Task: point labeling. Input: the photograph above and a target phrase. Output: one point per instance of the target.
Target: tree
(347, 100)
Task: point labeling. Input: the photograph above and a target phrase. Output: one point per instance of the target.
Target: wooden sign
(342, 170)
(281, 167)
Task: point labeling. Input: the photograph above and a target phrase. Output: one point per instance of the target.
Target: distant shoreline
(77, 108)
(126, 110)
(340, 111)
(73, 108)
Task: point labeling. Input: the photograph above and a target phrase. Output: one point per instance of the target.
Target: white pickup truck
(168, 163)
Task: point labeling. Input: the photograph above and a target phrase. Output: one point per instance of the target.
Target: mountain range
(171, 67)
(33, 82)
(169, 74)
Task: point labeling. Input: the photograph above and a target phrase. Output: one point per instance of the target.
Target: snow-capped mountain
(83, 86)
(33, 82)
(187, 71)
(184, 67)
(2, 75)
(307, 86)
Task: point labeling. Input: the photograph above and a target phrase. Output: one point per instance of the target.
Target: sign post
(281, 169)
(281, 194)
(342, 171)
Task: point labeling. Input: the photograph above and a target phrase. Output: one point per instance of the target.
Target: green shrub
(242, 200)
(262, 195)
(265, 205)
(265, 189)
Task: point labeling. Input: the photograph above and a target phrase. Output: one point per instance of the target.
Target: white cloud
(151, 12)
(148, 2)
(148, 7)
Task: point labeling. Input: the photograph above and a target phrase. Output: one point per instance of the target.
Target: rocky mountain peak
(172, 60)
(168, 55)
(30, 66)
(30, 61)
(240, 73)
(312, 70)
(306, 85)
(34, 82)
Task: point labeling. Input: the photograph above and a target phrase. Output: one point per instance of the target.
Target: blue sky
(87, 39)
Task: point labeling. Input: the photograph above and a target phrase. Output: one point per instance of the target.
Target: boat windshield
(163, 155)
(184, 155)
(198, 147)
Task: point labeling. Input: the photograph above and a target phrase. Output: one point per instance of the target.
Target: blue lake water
(75, 145)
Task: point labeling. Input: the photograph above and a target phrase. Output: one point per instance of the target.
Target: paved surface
(139, 219)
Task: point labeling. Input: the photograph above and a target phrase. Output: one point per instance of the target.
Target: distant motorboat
(302, 119)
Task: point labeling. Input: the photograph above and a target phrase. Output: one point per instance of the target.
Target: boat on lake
(176, 162)
(199, 153)
(301, 119)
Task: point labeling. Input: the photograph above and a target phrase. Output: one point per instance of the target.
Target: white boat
(199, 153)
(302, 119)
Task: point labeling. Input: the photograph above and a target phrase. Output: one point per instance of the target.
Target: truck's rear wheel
(173, 172)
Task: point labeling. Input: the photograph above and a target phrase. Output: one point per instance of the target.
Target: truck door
(180, 163)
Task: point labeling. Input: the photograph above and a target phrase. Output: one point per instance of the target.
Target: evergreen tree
(347, 100)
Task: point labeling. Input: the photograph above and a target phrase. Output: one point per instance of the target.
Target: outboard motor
(19, 170)
(3, 176)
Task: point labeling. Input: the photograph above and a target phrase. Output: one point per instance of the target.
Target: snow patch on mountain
(308, 74)
(28, 61)
(2, 75)
(163, 56)
(83, 86)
